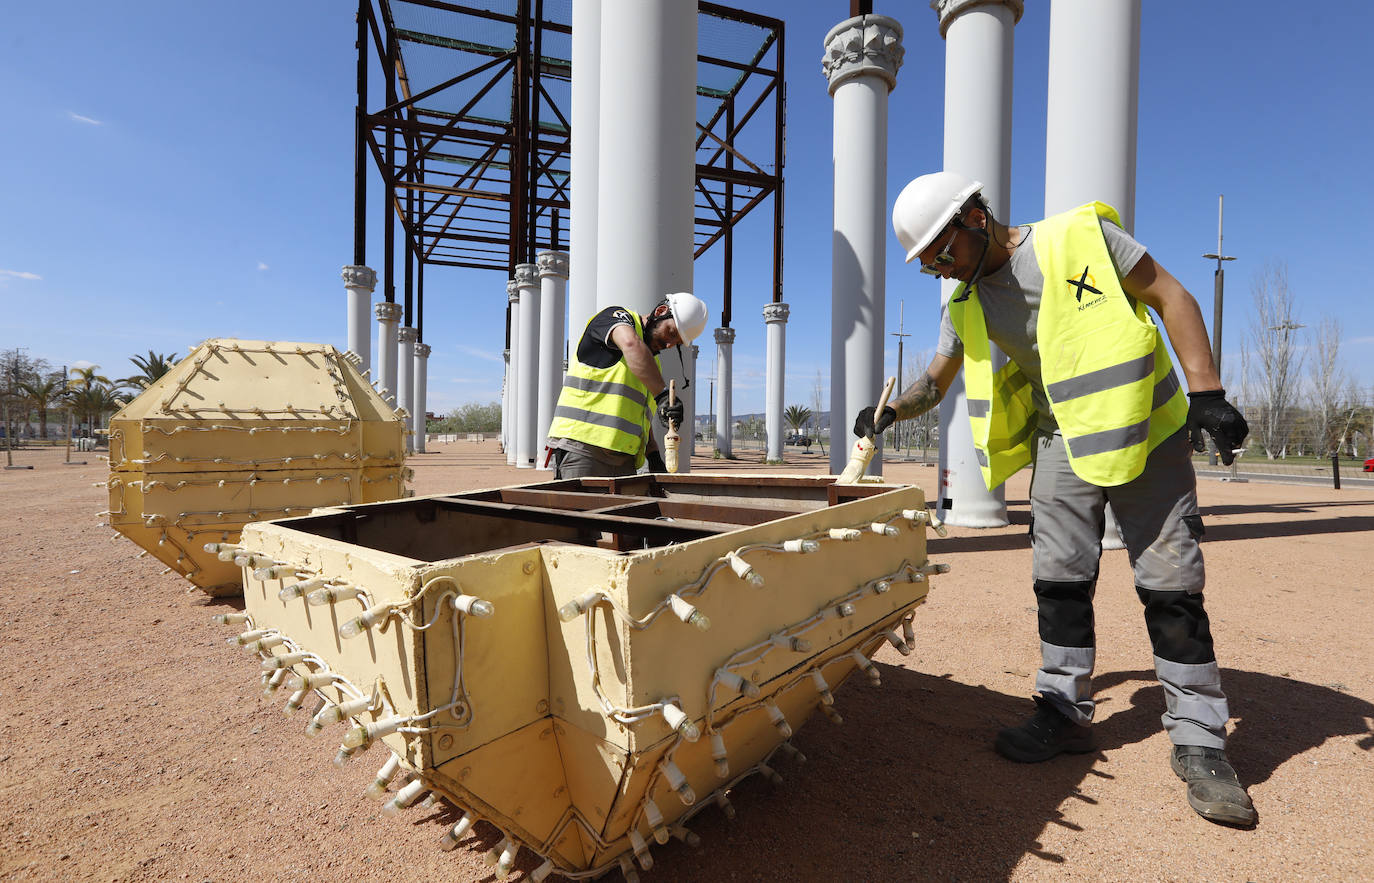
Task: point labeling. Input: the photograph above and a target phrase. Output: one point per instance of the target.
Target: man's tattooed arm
(918, 398)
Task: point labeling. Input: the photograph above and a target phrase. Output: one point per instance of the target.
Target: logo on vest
(1082, 284)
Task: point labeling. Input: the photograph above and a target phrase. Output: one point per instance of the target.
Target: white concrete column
(775, 316)
(511, 413)
(505, 406)
(647, 131)
(360, 282)
(421, 405)
(405, 381)
(527, 402)
(1079, 169)
(978, 89)
(687, 449)
(388, 317)
(553, 283)
(725, 414)
(862, 55)
(583, 174)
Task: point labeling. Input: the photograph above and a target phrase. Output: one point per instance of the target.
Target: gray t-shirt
(1011, 305)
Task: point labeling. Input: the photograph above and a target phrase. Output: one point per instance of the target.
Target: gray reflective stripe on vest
(1102, 378)
(609, 420)
(1109, 439)
(1164, 390)
(982, 457)
(979, 407)
(605, 387)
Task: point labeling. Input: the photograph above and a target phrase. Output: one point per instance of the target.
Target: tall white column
(419, 424)
(505, 406)
(687, 447)
(978, 86)
(360, 282)
(775, 317)
(527, 403)
(583, 174)
(862, 55)
(405, 381)
(725, 399)
(511, 413)
(388, 317)
(1078, 169)
(647, 130)
(553, 282)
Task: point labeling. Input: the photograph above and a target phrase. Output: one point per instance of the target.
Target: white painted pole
(553, 283)
(862, 55)
(1080, 169)
(418, 421)
(405, 381)
(513, 373)
(646, 135)
(725, 415)
(388, 316)
(775, 317)
(527, 401)
(583, 174)
(978, 90)
(360, 282)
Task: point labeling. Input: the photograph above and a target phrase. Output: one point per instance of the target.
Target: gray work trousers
(1160, 525)
(577, 464)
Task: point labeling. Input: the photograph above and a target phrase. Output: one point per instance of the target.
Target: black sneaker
(1214, 792)
(1046, 734)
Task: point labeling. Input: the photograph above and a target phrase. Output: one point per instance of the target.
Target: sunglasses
(943, 259)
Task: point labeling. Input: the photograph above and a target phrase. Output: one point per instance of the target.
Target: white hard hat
(926, 205)
(690, 313)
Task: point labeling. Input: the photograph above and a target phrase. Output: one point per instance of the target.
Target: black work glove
(1209, 410)
(866, 427)
(668, 412)
(655, 461)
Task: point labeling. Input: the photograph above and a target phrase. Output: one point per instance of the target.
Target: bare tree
(1279, 357)
(1327, 382)
(817, 400)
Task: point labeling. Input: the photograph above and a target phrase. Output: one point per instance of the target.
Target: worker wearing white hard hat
(601, 422)
(1089, 397)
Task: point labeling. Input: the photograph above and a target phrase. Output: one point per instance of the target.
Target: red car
(1369, 465)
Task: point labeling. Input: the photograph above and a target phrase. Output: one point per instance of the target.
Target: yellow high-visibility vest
(1104, 364)
(606, 407)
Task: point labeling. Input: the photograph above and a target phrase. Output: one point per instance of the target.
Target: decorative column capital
(865, 44)
(949, 10)
(553, 263)
(358, 276)
(422, 350)
(406, 334)
(725, 336)
(387, 311)
(513, 292)
(526, 275)
(777, 312)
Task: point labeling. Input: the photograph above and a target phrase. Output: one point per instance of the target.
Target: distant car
(795, 439)
(1369, 465)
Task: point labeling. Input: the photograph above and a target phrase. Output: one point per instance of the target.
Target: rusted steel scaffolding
(472, 140)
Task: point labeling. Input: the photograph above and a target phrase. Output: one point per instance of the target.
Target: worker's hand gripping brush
(863, 448)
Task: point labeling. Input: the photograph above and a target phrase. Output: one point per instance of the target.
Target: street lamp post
(1218, 285)
(901, 384)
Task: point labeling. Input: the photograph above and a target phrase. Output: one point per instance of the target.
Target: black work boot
(1214, 792)
(1046, 734)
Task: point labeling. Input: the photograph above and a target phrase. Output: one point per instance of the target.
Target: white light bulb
(312, 681)
(294, 703)
(248, 637)
(882, 587)
(384, 777)
(641, 850)
(366, 734)
(789, 642)
(654, 817)
(935, 568)
(679, 721)
(330, 594)
(541, 873)
(503, 856)
(275, 571)
(334, 713)
(844, 533)
(916, 516)
(365, 620)
(719, 755)
(897, 642)
(273, 681)
(868, 667)
(779, 719)
(298, 590)
(886, 530)
(801, 546)
(743, 569)
(473, 606)
(689, 837)
(769, 773)
(845, 609)
(456, 833)
(737, 683)
(229, 618)
(791, 751)
(627, 870)
(344, 755)
(725, 805)
(678, 782)
(827, 698)
(578, 606)
(405, 797)
(908, 632)
(286, 660)
(687, 613)
(831, 714)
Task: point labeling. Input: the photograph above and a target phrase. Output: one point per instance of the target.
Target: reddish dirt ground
(135, 744)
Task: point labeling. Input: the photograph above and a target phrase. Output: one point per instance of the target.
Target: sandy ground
(136, 746)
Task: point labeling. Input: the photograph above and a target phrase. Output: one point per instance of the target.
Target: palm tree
(41, 393)
(797, 417)
(150, 368)
(81, 390)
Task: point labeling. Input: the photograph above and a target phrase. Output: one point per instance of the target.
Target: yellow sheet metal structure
(585, 664)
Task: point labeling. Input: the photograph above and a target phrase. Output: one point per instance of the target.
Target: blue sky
(174, 171)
